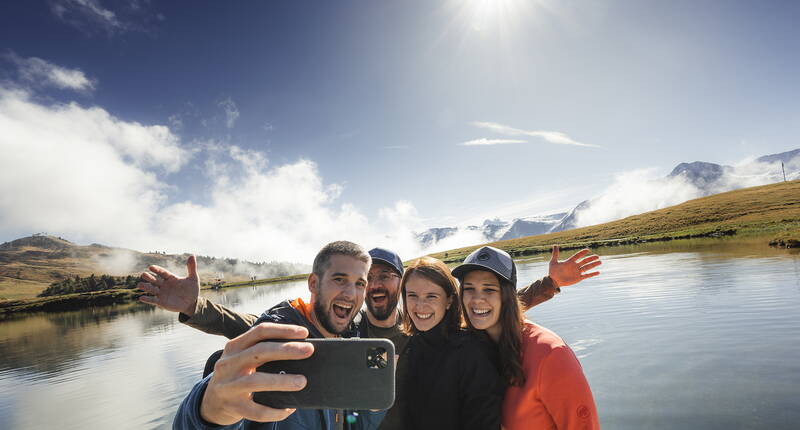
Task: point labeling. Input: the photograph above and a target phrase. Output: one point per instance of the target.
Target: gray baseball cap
(491, 259)
(383, 255)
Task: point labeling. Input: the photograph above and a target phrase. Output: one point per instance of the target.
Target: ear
(313, 283)
(449, 302)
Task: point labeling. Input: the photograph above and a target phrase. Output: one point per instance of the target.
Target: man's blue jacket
(188, 416)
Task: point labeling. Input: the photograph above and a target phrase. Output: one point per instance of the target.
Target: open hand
(170, 292)
(229, 395)
(572, 270)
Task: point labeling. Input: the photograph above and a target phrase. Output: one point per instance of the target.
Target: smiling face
(382, 291)
(339, 294)
(426, 302)
(482, 300)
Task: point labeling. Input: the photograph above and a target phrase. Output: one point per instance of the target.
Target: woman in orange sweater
(546, 385)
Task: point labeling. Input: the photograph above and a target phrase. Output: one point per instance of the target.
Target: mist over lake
(690, 334)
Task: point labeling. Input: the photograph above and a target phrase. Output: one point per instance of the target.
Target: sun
(486, 14)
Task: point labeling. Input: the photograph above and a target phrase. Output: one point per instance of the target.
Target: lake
(698, 334)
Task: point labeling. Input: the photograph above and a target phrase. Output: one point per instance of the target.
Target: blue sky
(370, 104)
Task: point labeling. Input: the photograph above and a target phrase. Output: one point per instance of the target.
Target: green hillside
(770, 210)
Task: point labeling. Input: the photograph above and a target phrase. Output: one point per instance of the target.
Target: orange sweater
(556, 394)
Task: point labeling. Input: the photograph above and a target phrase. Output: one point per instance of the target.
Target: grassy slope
(27, 269)
(29, 265)
(771, 210)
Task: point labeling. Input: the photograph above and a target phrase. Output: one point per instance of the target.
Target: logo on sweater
(583, 412)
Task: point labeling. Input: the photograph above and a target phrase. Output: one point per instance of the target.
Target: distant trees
(90, 283)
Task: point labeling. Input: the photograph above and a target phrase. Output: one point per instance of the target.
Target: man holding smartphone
(224, 398)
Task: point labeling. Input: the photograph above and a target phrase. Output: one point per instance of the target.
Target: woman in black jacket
(451, 381)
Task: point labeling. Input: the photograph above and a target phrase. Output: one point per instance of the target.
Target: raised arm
(561, 274)
(175, 294)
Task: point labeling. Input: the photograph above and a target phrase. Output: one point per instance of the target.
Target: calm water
(700, 335)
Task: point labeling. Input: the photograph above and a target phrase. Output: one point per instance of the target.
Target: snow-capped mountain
(686, 181)
(630, 196)
(532, 226)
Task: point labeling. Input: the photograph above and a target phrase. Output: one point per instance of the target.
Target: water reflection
(671, 335)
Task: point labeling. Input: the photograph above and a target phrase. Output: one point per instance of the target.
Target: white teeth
(345, 306)
(481, 311)
(423, 316)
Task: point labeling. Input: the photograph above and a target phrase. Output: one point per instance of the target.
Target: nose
(349, 291)
(476, 296)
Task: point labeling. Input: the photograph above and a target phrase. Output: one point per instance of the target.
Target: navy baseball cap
(382, 255)
(491, 259)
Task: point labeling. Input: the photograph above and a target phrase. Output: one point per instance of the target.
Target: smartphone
(351, 373)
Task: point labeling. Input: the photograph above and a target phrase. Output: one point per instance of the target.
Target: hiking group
(468, 359)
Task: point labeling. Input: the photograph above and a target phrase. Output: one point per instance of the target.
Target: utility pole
(784, 172)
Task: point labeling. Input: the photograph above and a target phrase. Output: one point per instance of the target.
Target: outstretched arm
(561, 274)
(175, 294)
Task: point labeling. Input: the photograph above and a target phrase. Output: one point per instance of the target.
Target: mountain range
(686, 181)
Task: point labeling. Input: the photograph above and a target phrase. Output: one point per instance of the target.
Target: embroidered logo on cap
(483, 256)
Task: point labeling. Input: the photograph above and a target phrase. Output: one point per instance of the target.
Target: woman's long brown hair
(510, 342)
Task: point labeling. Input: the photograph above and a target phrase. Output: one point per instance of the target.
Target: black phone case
(339, 376)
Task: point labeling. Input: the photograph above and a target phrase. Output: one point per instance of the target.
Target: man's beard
(391, 304)
(323, 318)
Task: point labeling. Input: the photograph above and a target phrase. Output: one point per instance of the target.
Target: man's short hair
(341, 247)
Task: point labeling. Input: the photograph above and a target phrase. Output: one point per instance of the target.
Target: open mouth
(342, 310)
(423, 316)
(481, 313)
(379, 297)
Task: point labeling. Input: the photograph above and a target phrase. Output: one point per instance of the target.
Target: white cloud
(84, 174)
(485, 141)
(93, 17)
(79, 171)
(636, 192)
(75, 12)
(40, 72)
(231, 112)
(556, 137)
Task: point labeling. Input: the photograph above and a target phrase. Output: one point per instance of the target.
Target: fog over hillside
(632, 192)
(643, 190)
(63, 258)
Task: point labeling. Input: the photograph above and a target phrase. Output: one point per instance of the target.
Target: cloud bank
(645, 190)
(87, 175)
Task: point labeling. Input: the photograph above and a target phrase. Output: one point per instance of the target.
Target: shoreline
(769, 212)
(69, 302)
